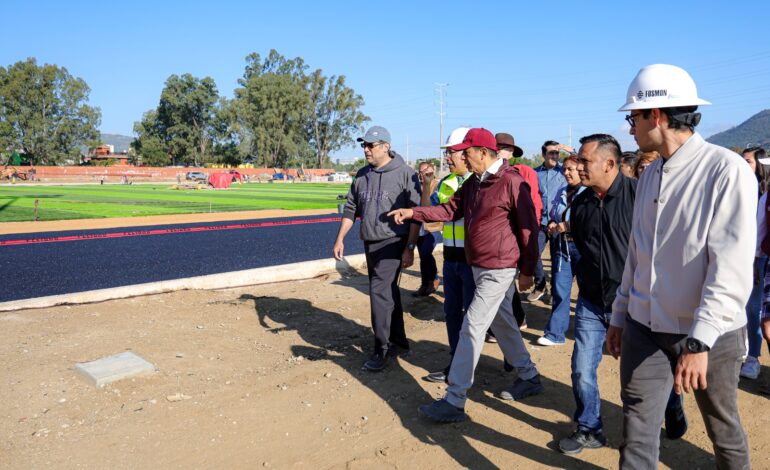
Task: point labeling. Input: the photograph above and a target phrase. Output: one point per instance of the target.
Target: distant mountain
(755, 131)
(121, 142)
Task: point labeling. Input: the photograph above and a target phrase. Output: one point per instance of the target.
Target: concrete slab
(112, 368)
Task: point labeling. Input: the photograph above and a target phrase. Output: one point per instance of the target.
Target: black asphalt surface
(36, 270)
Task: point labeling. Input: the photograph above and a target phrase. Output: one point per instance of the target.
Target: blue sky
(532, 69)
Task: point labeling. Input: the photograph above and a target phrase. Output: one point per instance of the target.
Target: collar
(683, 154)
(493, 168)
(614, 187)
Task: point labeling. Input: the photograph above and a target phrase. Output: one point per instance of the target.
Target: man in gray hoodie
(385, 184)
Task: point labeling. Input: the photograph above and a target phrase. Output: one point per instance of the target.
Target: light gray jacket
(690, 255)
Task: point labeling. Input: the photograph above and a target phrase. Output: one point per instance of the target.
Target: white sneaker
(750, 368)
(543, 341)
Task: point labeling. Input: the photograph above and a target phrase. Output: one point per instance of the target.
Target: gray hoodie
(377, 191)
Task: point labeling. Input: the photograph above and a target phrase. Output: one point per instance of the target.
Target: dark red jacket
(500, 224)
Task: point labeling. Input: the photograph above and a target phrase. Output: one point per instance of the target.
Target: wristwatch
(411, 246)
(695, 346)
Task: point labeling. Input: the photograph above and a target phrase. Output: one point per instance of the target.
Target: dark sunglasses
(367, 145)
(631, 119)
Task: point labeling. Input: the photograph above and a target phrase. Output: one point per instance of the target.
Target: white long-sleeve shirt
(691, 251)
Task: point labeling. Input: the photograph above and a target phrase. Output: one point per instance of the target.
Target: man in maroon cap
(500, 239)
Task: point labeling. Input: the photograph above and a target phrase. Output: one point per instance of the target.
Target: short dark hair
(605, 142)
(629, 158)
(680, 117)
(548, 143)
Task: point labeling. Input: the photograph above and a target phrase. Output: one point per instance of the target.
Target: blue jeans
(564, 261)
(542, 237)
(753, 308)
(590, 329)
(459, 287)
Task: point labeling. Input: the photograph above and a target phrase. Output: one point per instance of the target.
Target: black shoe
(436, 377)
(507, 366)
(441, 411)
(676, 422)
(523, 389)
(398, 352)
(376, 363)
(580, 440)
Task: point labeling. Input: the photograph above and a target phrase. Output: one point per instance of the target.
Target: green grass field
(100, 201)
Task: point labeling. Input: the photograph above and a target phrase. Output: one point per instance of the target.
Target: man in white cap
(458, 276)
(679, 311)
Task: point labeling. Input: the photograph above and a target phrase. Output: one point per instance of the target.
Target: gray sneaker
(580, 440)
(535, 295)
(523, 388)
(441, 411)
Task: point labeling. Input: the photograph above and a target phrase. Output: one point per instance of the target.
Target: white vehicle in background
(340, 178)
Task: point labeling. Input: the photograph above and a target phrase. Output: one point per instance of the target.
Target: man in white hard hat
(458, 276)
(679, 312)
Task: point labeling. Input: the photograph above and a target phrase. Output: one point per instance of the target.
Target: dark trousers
(518, 310)
(542, 239)
(647, 362)
(428, 268)
(383, 262)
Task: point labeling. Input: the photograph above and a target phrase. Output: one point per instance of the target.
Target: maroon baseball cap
(476, 137)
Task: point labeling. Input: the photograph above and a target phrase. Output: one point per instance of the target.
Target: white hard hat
(456, 137)
(661, 86)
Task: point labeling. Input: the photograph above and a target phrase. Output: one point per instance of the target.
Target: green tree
(335, 117)
(272, 105)
(186, 122)
(43, 112)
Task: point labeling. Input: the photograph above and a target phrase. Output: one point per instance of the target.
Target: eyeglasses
(448, 152)
(367, 145)
(631, 119)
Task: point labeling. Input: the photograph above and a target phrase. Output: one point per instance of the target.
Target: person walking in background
(643, 161)
(507, 149)
(679, 314)
(627, 164)
(501, 230)
(429, 232)
(550, 181)
(756, 158)
(566, 255)
(384, 184)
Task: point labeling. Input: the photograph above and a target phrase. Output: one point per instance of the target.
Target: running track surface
(52, 263)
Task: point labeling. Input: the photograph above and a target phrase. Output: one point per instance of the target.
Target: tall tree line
(281, 115)
(44, 113)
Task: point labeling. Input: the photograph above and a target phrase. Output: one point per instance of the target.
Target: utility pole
(570, 135)
(440, 89)
(407, 150)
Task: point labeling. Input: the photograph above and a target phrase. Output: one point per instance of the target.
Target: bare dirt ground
(274, 380)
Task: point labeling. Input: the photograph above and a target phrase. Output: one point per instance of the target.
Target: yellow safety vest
(453, 232)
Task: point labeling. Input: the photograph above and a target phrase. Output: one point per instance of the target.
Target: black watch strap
(696, 346)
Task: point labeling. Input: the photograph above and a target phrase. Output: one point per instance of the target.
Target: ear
(657, 117)
(611, 164)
